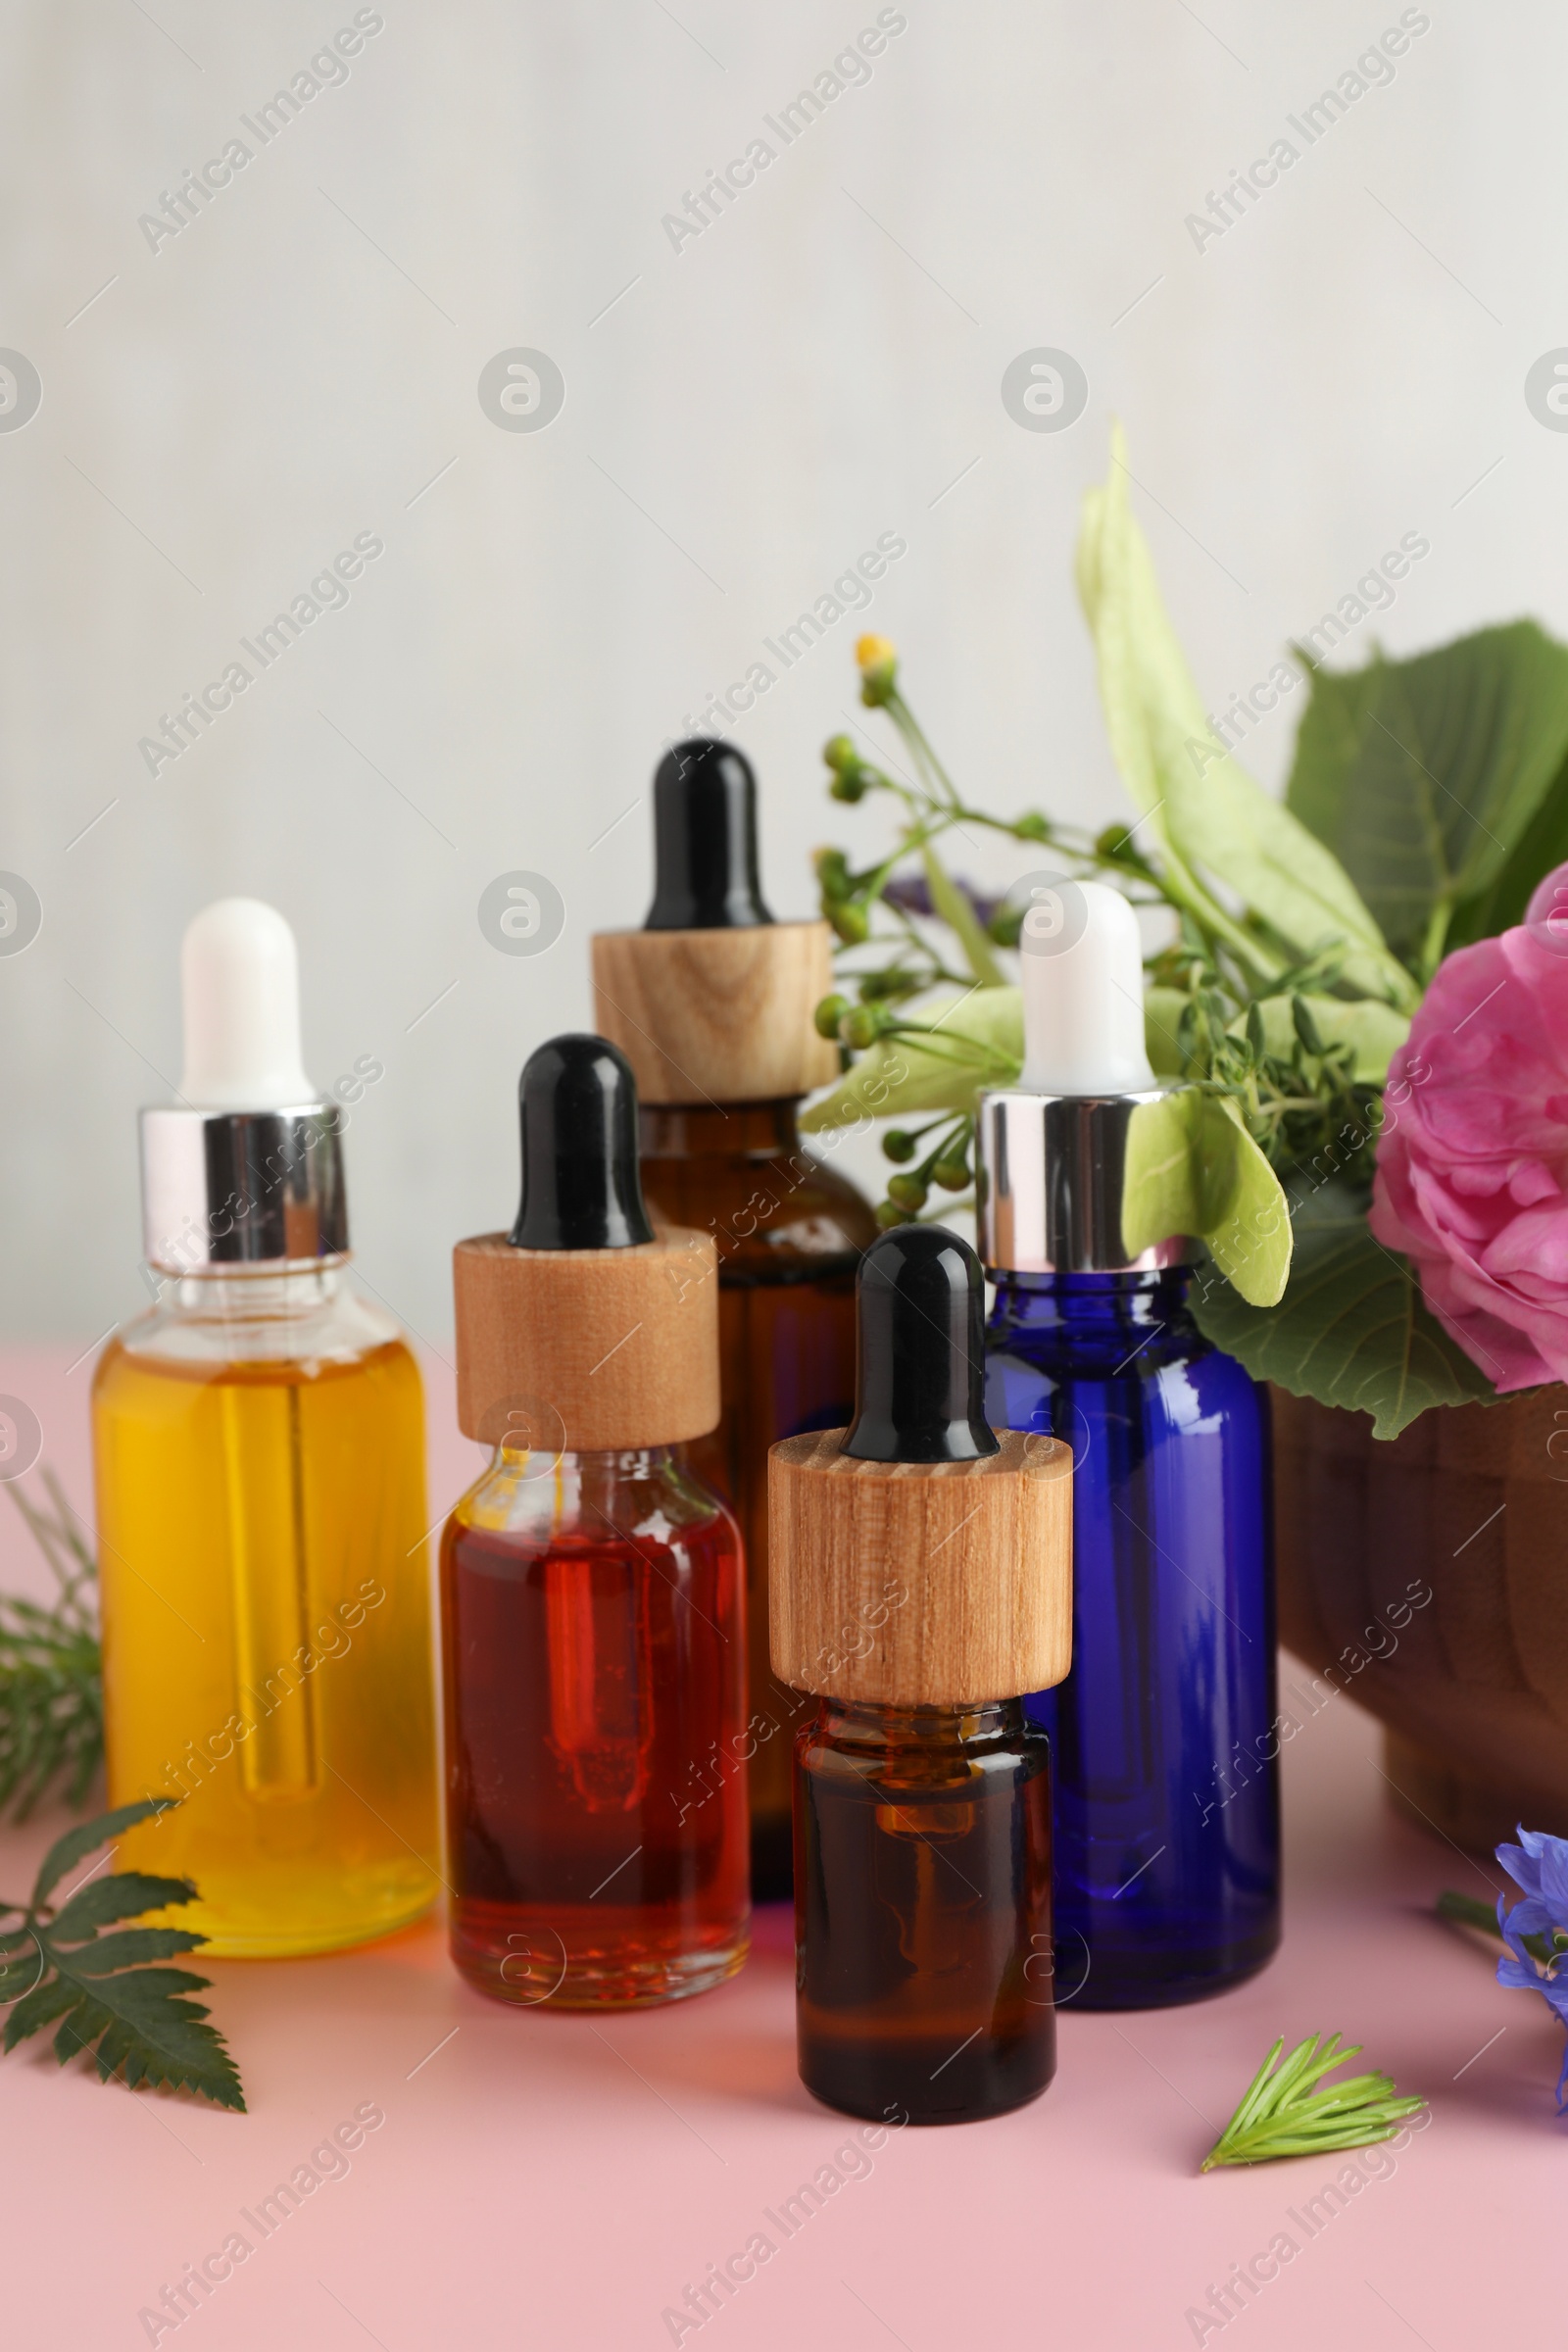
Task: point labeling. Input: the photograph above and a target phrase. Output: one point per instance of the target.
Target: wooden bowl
(1468, 1507)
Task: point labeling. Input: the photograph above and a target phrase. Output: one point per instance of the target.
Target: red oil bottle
(592, 1587)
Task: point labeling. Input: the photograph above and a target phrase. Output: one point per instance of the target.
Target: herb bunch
(1427, 799)
(51, 1695)
(907, 926)
(98, 1991)
(1300, 1093)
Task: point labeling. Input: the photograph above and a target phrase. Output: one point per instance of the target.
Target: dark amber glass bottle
(921, 1576)
(713, 1002)
(922, 1874)
(790, 1232)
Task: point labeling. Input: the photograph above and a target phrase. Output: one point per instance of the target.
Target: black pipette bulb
(919, 1350)
(705, 840)
(581, 1188)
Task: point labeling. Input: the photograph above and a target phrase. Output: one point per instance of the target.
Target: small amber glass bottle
(713, 1004)
(936, 1993)
(921, 1577)
(593, 1593)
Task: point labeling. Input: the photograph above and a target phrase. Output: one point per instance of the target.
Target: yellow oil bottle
(259, 1456)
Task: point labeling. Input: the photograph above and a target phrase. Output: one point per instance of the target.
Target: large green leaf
(1351, 1329)
(1192, 1168)
(1205, 819)
(1543, 844)
(1424, 775)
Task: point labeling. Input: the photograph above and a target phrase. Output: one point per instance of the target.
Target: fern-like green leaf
(1283, 2113)
(77, 1844)
(123, 1895)
(99, 1992)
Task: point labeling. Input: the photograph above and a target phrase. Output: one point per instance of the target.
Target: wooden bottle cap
(587, 1351)
(718, 1017)
(953, 1580)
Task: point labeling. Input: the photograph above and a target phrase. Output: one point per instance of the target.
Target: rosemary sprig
(1283, 2115)
(51, 1695)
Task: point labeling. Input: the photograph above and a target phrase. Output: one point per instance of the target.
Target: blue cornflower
(1535, 1930)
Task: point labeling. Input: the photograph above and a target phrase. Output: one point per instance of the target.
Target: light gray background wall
(1345, 365)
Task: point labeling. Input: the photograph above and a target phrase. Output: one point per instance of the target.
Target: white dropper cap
(239, 977)
(1083, 993)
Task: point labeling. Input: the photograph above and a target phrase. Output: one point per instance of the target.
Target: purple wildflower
(1538, 1864)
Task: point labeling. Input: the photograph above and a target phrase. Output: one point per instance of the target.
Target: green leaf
(132, 1947)
(1304, 1026)
(1375, 1031)
(1542, 846)
(1351, 1329)
(85, 1840)
(139, 2027)
(1281, 2114)
(1192, 1168)
(978, 1043)
(123, 1895)
(97, 1991)
(1202, 811)
(19, 1976)
(39, 2008)
(1423, 775)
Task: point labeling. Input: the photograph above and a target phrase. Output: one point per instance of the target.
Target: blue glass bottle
(1166, 1814)
(1166, 1809)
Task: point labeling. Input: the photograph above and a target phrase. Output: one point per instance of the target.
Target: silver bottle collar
(242, 1187)
(1050, 1174)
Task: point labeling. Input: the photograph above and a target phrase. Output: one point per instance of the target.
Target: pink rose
(1474, 1154)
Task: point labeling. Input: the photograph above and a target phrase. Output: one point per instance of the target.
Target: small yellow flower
(878, 657)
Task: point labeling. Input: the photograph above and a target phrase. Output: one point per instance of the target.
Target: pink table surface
(549, 2181)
